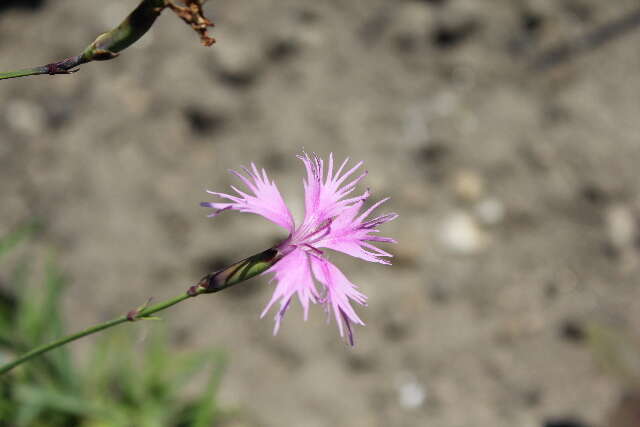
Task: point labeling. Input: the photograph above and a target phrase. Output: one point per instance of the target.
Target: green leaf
(27, 310)
(51, 316)
(56, 400)
(186, 366)
(13, 239)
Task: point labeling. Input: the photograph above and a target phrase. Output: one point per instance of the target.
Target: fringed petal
(340, 293)
(293, 276)
(325, 193)
(263, 199)
(352, 233)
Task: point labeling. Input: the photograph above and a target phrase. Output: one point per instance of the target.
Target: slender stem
(108, 45)
(145, 312)
(213, 282)
(22, 73)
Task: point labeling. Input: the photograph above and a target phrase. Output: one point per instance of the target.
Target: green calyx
(238, 272)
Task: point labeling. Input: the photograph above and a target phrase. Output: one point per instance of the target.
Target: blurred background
(506, 133)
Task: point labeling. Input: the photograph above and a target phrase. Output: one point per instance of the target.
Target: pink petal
(325, 193)
(293, 276)
(340, 293)
(356, 249)
(263, 199)
(350, 235)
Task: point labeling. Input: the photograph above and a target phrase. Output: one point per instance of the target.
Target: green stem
(22, 73)
(131, 29)
(146, 312)
(213, 282)
(109, 44)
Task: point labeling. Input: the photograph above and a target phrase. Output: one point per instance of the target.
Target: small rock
(237, 64)
(460, 233)
(621, 226)
(411, 394)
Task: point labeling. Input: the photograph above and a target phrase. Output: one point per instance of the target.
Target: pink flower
(331, 221)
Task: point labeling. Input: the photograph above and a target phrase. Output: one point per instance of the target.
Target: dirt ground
(506, 132)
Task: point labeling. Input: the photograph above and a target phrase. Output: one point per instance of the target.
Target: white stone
(621, 226)
(461, 233)
(411, 394)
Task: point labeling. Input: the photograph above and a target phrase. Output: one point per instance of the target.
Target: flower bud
(239, 272)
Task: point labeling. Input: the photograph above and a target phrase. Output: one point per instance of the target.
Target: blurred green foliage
(122, 383)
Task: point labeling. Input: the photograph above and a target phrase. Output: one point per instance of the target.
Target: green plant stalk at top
(108, 45)
(213, 282)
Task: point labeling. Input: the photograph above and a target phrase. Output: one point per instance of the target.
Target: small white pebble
(621, 226)
(460, 233)
(237, 58)
(411, 394)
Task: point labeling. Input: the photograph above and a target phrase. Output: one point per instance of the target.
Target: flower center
(304, 238)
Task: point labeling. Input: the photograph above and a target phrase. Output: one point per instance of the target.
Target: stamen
(324, 230)
(315, 250)
(373, 223)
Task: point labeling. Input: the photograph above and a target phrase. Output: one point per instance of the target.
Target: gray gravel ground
(516, 186)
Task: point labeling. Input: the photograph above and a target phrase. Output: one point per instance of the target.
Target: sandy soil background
(514, 169)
